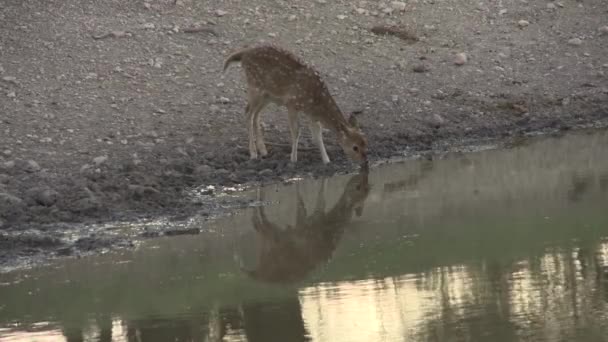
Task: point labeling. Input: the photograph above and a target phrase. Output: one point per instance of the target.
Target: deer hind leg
(259, 133)
(255, 104)
(317, 137)
(295, 133)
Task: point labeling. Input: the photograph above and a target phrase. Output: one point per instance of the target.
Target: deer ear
(352, 120)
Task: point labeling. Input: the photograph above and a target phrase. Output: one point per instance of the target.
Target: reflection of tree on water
(561, 295)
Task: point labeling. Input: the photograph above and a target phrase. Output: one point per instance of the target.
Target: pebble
(8, 165)
(361, 11)
(460, 58)
(100, 160)
(395, 98)
(438, 120)
(604, 30)
(32, 166)
(149, 26)
(11, 79)
(523, 23)
(551, 6)
(11, 94)
(46, 197)
(8, 200)
(220, 13)
(398, 6)
(341, 17)
(266, 173)
(224, 100)
(292, 17)
(421, 68)
(575, 42)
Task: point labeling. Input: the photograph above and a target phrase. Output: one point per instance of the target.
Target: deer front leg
(295, 133)
(317, 137)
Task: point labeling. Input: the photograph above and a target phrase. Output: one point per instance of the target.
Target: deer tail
(235, 57)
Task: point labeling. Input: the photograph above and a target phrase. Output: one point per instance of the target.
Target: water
(507, 245)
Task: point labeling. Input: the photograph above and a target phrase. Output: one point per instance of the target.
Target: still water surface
(508, 245)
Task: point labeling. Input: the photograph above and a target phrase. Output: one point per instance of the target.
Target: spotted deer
(275, 75)
(288, 254)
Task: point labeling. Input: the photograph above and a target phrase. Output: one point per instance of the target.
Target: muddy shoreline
(112, 112)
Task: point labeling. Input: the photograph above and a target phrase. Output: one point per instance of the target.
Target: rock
(224, 100)
(10, 205)
(438, 120)
(551, 6)
(100, 160)
(149, 26)
(460, 58)
(266, 173)
(502, 11)
(10, 79)
(398, 6)
(43, 196)
(203, 170)
(32, 166)
(604, 30)
(395, 98)
(7, 153)
(322, 1)
(11, 94)
(7, 165)
(220, 13)
(523, 23)
(422, 67)
(292, 17)
(361, 11)
(575, 42)
(341, 17)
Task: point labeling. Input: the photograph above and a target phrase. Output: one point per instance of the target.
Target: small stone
(460, 59)
(148, 26)
(8, 202)
(224, 100)
(420, 68)
(100, 160)
(42, 196)
(341, 17)
(266, 173)
(395, 98)
(322, 1)
(11, 94)
(220, 13)
(292, 17)
(502, 12)
(551, 6)
(604, 30)
(438, 119)
(361, 11)
(272, 34)
(203, 170)
(32, 166)
(398, 6)
(523, 23)
(11, 79)
(575, 42)
(8, 165)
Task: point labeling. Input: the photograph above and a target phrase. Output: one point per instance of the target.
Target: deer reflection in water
(287, 255)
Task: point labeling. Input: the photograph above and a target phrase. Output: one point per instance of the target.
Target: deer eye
(356, 148)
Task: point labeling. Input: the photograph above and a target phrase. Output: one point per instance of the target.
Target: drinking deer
(275, 75)
(287, 255)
